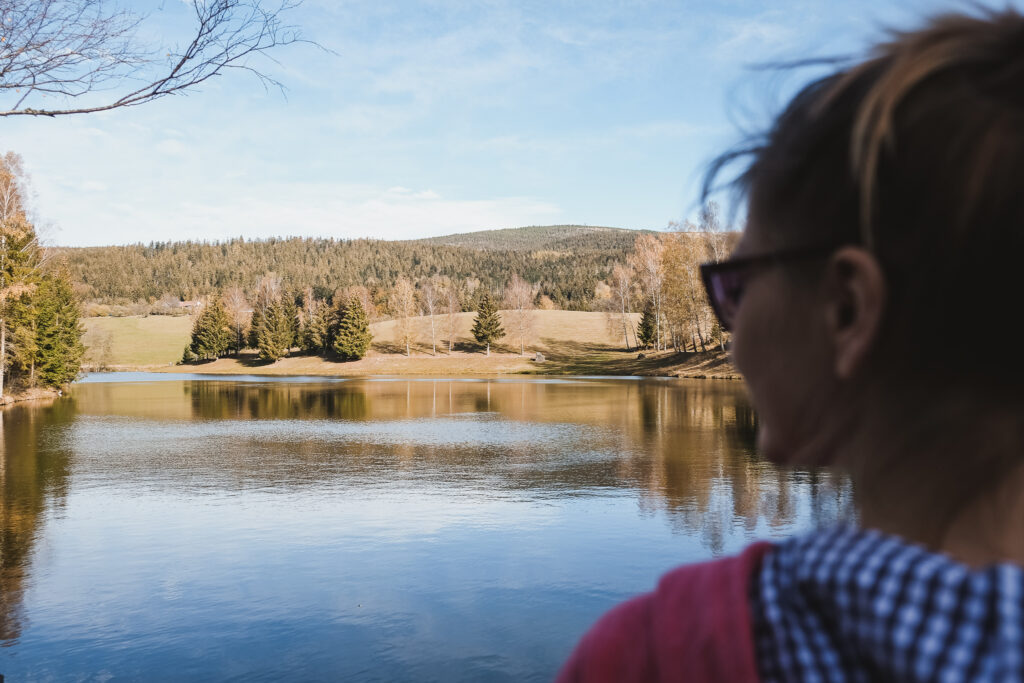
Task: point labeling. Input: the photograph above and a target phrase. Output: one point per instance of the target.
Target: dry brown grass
(573, 343)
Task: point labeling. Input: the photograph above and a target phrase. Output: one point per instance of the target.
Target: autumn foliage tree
(646, 262)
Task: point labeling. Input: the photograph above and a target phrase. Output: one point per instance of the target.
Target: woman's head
(915, 160)
(907, 171)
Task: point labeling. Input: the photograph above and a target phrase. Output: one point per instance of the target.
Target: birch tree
(237, 308)
(518, 300)
(403, 308)
(622, 285)
(452, 309)
(431, 297)
(646, 262)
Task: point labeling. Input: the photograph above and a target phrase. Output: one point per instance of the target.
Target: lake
(170, 527)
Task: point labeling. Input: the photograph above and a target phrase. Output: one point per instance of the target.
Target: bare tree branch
(70, 48)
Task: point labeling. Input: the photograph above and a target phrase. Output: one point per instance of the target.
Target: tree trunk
(657, 328)
(3, 354)
(433, 338)
(488, 348)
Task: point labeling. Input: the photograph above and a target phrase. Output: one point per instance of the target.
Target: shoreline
(34, 394)
(665, 364)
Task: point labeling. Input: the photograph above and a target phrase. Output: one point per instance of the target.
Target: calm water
(176, 527)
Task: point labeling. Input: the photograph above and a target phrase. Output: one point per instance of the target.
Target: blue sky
(429, 118)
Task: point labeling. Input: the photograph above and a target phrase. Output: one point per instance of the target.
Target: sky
(429, 118)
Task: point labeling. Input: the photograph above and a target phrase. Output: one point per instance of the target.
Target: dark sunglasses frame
(710, 272)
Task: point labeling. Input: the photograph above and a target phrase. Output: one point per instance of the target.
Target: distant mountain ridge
(565, 262)
(542, 238)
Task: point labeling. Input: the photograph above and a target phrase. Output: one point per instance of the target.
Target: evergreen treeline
(566, 267)
(542, 238)
(40, 336)
(277, 324)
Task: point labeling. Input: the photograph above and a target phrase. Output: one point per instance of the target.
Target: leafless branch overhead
(53, 51)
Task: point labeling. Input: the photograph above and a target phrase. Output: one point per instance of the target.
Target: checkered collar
(845, 604)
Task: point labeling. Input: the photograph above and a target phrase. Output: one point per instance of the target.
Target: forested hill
(542, 237)
(566, 262)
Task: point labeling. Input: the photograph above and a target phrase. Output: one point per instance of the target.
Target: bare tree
(13, 187)
(519, 301)
(718, 241)
(66, 49)
(646, 261)
(430, 296)
(238, 313)
(452, 308)
(365, 297)
(622, 301)
(403, 308)
(167, 304)
(714, 233)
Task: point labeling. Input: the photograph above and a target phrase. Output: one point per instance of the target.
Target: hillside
(542, 238)
(565, 262)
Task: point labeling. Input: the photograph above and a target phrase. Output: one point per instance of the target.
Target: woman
(873, 301)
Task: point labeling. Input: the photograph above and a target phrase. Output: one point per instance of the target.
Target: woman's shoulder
(863, 605)
(694, 626)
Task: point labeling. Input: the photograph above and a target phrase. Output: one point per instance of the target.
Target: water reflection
(33, 481)
(579, 491)
(687, 447)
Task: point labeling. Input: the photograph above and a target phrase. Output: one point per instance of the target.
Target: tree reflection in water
(683, 449)
(33, 482)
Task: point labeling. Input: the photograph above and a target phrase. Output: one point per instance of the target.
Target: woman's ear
(856, 295)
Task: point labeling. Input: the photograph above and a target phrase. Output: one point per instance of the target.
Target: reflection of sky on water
(396, 530)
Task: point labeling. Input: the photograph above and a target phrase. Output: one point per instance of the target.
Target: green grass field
(573, 342)
(135, 341)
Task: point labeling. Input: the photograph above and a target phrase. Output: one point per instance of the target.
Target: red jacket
(694, 627)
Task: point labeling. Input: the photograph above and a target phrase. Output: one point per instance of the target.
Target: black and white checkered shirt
(853, 605)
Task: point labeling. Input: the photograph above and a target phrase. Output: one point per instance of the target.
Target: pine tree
(322, 324)
(212, 333)
(59, 334)
(188, 355)
(487, 325)
(20, 317)
(19, 261)
(648, 331)
(352, 339)
(276, 333)
(315, 323)
(291, 313)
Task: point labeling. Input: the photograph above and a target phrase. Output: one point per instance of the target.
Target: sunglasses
(725, 281)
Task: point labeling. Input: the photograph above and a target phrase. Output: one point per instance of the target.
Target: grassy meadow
(573, 343)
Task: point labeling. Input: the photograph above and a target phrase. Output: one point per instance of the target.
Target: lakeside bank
(33, 394)
(595, 361)
(572, 343)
